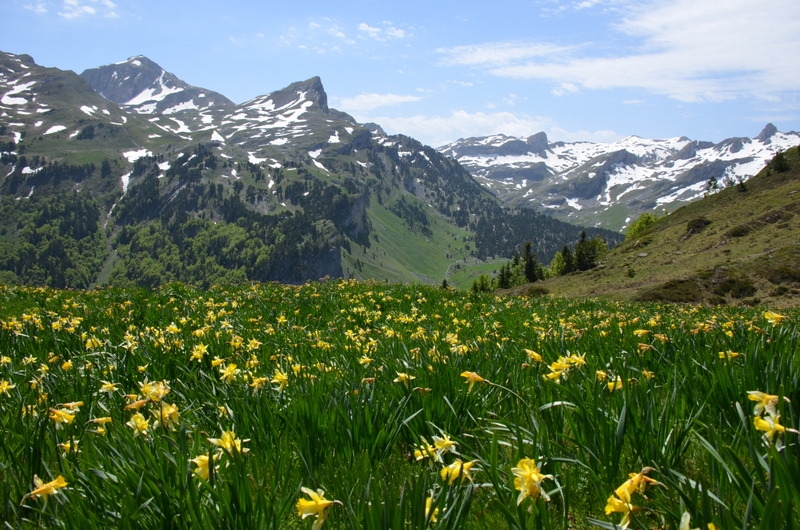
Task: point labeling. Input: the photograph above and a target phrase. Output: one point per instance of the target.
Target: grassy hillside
(739, 246)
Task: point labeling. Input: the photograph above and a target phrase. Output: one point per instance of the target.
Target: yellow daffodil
(167, 415)
(774, 318)
(620, 501)
(93, 343)
(69, 447)
(770, 425)
(139, 424)
(62, 416)
(108, 388)
(764, 402)
(136, 405)
(228, 372)
(281, 379)
(527, 480)
(456, 469)
(425, 450)
(230, 443)
(5, 386)
(444, 444)
(472, 378)
(432, 516)
(636, 482)
(615, 505)
(154, 391)
(258, 382)
(45, 489)
(203, 465)
(616, 384)
(404, 378)
(101, 430)
(315, 505)
(216, 361)
(198, 352)
(533, 356)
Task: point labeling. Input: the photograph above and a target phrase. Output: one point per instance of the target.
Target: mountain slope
(281, 187)
(610, 184)
(739, 245)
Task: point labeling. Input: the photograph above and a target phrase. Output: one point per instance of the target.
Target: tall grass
(368, 391)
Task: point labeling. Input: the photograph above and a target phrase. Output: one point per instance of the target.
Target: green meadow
(343, 404)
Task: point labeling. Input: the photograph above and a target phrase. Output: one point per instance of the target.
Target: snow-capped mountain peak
(608, 184)
(141, 85)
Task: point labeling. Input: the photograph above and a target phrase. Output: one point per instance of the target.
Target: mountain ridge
(583, 181)
(281, 187)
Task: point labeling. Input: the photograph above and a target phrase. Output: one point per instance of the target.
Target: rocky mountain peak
(123, 82)
(143, 86)
(767, 132)
(311, 90)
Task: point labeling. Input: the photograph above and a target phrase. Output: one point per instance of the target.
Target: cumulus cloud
(387, 31)
(82, 8)
(442, 129)
(322, 35)
(684, 49)
(497, 53)
(38, 7)
(366, 102)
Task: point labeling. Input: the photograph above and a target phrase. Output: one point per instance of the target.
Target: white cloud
(82, 8)
(323, 36)
(497, 53)
(564, 89)
(367, 102)
(39, 8)
(388, 32)
(369, 30)
(684, 49)
(440, 130)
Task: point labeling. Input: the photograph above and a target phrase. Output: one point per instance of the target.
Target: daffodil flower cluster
(559, 370)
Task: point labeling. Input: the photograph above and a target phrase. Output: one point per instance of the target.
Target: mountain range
(176, 183)
(610, 184)
(180, 183)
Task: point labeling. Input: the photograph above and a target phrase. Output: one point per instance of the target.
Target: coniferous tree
(779, 164)
(569, 260)
(532, 271)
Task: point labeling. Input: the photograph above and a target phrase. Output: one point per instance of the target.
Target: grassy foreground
(364, 405)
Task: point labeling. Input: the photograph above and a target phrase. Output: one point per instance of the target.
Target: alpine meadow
(270, 314)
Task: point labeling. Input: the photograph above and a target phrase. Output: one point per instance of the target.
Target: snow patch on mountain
(133, 156)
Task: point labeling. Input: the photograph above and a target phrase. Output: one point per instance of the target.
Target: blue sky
(597, 70)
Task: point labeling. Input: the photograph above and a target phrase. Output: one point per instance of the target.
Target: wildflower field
(367, 405)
